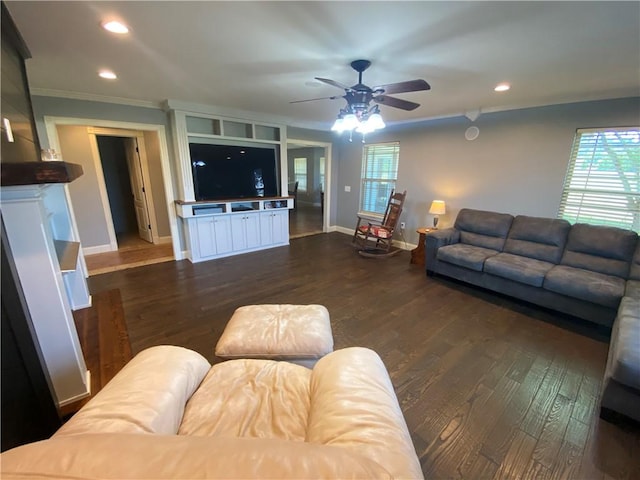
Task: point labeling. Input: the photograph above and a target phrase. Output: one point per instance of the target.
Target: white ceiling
(259, 56)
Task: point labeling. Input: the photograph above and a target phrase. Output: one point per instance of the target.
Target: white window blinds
(602, 185)
(300, 173)
(379, 175)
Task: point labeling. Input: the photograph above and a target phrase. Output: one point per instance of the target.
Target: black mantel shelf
(34, 173)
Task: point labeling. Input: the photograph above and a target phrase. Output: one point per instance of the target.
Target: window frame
(602, 182)
(301, 178)
(365, 189)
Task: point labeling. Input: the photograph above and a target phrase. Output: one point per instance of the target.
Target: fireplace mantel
(36, 173)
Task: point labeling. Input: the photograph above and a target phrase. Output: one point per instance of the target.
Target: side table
(417, 254)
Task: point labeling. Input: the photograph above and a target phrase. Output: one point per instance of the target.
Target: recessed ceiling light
(502, 87)
(108, 74)
(115, 27)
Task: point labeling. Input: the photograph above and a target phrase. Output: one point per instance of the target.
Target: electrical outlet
(402, 225)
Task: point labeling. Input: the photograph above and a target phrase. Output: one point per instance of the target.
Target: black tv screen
(223, 172)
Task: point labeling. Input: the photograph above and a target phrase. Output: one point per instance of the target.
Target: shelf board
(67, 253)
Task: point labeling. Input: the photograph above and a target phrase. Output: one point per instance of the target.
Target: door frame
(93, 133)
(327, 174)
(51, 124)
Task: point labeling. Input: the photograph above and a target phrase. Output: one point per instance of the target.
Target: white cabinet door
(238, 235)
(222, 234)
(213, 235)
(252, 226)
(245, 231)
(280, 225)
(274, 227)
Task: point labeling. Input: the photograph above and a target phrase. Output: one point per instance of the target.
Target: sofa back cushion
(634, 271)
(539, 238)
(483, 229)
(600, 249)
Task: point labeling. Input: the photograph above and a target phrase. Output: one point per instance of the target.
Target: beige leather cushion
(278, 332)
(147, 396)
(250, 398)
(354, 406)
(119, 456)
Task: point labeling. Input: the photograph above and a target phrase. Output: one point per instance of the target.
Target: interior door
(137, 187)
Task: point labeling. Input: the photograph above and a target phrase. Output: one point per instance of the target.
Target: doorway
(121, 156)
(116, 168)
(307, 168)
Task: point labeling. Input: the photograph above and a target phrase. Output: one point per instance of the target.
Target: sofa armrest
(353, 405)
(436, 239)
(440, 238)
(154, 457)
(147, 396)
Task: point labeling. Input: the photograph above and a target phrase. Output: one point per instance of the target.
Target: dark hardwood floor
(490, 388)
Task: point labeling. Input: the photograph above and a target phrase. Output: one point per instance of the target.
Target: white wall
(87, 204)
(516, 165)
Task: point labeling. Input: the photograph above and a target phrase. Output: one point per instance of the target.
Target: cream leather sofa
(169, 414)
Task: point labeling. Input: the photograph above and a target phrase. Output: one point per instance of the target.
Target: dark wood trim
(33, 173)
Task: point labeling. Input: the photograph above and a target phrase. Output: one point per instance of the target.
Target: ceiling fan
(360, 95)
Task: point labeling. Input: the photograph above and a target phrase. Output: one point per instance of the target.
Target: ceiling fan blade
(314, 99)
(333, 83)
(403, 87)
(395, 102)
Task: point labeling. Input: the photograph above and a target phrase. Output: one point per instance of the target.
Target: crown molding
(46, 92)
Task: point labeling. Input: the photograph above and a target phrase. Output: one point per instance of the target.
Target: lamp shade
(437, 207)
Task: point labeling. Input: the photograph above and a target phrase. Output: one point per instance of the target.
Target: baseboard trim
(396, 243)
(97, 249)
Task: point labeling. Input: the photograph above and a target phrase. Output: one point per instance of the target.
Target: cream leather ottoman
(298, 334)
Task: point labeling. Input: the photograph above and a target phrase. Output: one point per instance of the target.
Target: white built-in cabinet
(46, 252)
(221, 229)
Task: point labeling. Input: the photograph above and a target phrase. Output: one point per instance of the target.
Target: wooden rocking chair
(374, 239)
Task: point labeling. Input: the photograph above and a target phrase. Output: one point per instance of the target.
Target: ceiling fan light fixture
(350, 121)
(365, 127)
(376, 122)
(338, 125)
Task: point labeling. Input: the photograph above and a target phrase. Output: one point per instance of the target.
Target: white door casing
(51, 122)
(327, 175)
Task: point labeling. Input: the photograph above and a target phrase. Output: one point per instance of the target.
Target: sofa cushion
(250, 398)
(535, 237)
(517, 268)
(634, 271)
(464, 255)
(483, 229)
(632, 289)
(296, 333)
(606, 290)
(626, 355)
(600, 249)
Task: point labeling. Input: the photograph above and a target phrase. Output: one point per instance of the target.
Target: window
(300, 173)
(321, 173)
(379, 175)
(602, 185)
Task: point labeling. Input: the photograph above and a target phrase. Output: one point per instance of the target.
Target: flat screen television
(222, 172)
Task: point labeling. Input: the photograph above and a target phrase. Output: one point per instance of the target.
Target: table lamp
(437, 208)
